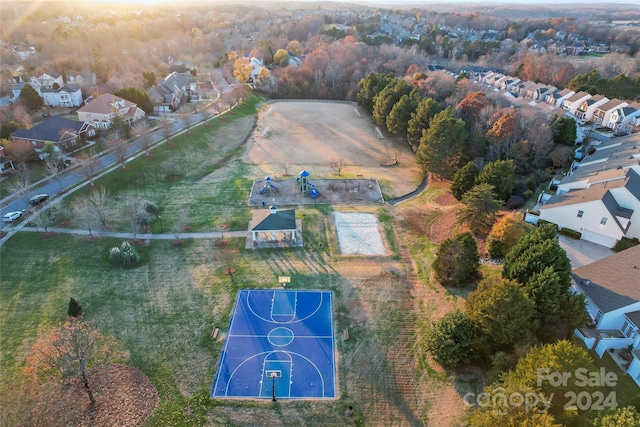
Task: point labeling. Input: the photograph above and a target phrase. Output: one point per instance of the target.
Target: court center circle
(280, 336)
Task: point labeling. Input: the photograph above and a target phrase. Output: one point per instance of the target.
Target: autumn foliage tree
(504, 234)
(71, 349)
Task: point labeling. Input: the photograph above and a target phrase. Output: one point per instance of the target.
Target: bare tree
(88, 165)
(54, 166)
(68, 350)
(166, 127)
(187, 118)
(98, 200)
(179, 225)
(142, 130)
(339, 164)
(45, 218)
(119, 147)
(85, 213)
(21, 185)
(206, 114)
(20, 152)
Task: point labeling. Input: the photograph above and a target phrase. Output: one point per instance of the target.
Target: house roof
(634, 316)
(103, 104)
(273, 219)
(572, 197)
(49, 130)
(66, 89)
(611, 104)
(577, 96)
(612, 282)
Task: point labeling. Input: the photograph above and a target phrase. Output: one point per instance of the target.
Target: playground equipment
(268, 186)
(306, 187)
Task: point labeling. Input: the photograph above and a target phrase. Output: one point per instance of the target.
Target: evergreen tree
(502, 176)
(75, 309)
(442, 147)
(136, 96)
(30, 98)
(480, 208)
(450, 340)
(464, 179)
(457, 260)
(564, 130)
(419, 121)
(387, 98)
(370, 87)
(400, 114)
(502, 316)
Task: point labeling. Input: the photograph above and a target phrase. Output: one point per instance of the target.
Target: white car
(11, 216)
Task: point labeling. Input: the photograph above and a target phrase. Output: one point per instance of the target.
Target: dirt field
(295, 136)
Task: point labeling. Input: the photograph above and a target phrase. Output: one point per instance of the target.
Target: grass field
(164, 310)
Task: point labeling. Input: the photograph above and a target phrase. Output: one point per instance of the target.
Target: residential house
(602, 114)
(65, 134)
(556, 99)
(165, 98)
(603, 207)
(101, 110)
(588, 107)
(5, 163)
(85, 78)
(48, 79)
(18, 88)
(572, 103)
(625, 120)
(23, 51)
(612, 290)
(66, 96)
(257, 66)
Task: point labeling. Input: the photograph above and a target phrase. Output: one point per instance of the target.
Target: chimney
(273, 209)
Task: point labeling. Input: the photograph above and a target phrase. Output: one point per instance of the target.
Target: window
(580, 213)
(598, 316)
(603, 221)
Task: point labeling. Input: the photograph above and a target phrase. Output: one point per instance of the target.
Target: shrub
(625, 243)
(75, 309)
(124, 255)
(543, 222)
(515, 202)
(570, 233)
(553, 187)
(151, 207)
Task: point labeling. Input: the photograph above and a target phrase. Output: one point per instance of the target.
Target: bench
(345, 334)
(215, 333)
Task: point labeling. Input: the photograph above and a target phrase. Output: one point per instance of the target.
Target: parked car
(11, 216)
(37, 199)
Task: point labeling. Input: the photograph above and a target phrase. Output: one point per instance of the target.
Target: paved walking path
(144, 236)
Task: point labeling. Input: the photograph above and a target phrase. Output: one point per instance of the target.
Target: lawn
(164, 310)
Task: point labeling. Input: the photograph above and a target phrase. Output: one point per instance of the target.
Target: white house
(604, 211)
(101, 110)
(625, 119)
(572, 103)
(48, 79)
(588, 106)
(66, 96)
(612, 289)
(556, 99)
(602, 114)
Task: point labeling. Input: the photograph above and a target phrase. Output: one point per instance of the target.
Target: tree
(457, 260)
(136, 96)
(119, 126)
(564, 130)
(119, 147)
(242, 70)
(504, 234)
(339, 164)
(149, 78)
(450, 340)
(166, 127)
(281, 57)
(479, 208)
(501, 175)
(419, 121)
(442, 148)
(97, 199)
(54, 166)
(370, 87)
(387, 98)
(534, 252)
(501, 314)
(400, 114)
(621, 417)
(71, 349)
(187, 118)
(75, 309)
(142, 131)
(85, 213)
(30, 98)
(19, 151)
(464, 179)
(294, 47)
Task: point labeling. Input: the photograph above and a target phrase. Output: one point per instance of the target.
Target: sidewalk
(145, 236)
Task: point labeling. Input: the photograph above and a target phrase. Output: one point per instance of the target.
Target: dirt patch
(445, 199)
(124, 397)
(294, 136)
(442, 228)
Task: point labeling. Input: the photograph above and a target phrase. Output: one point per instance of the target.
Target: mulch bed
(177, 242)
(49, 235)
(124, 397)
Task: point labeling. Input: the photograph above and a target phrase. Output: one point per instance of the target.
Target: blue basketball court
(280, 344)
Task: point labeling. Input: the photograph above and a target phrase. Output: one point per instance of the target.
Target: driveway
(581, 252)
